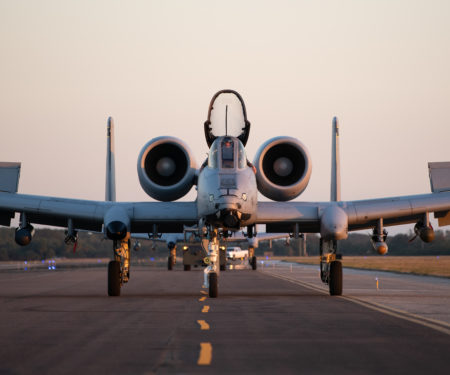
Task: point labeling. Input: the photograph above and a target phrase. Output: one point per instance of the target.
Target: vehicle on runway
(227, 185)
(236, 252)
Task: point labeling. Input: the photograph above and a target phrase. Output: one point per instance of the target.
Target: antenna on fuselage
(226, 120)
(110, 186)
(335, 163)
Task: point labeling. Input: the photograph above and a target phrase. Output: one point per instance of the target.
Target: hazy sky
(381, 66)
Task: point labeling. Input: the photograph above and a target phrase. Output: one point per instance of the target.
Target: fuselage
(227, 191)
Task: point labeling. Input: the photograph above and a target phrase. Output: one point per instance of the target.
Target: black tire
(335, 279)
(170, 264)
(213, 285)
(254, 263)
(187, 267)
(223, 268)
(114, 278)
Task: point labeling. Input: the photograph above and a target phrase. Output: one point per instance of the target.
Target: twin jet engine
(166, 168)
(283, 168)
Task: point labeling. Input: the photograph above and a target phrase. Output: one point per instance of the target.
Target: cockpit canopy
(227, 117)
(227, 153)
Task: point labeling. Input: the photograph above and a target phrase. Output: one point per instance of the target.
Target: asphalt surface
(275, 320)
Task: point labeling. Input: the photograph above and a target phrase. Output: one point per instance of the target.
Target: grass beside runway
(417, 265)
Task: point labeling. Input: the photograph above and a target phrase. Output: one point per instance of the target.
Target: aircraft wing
(90, 215)
(362, 214)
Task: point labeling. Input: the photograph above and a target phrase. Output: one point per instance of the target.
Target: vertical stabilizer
(335, 163)
(110, 188)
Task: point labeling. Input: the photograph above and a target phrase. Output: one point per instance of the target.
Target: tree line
(49, 243)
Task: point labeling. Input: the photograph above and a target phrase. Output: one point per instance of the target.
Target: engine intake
(166, 168)
(283, 168)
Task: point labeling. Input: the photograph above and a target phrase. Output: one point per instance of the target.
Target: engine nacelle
(166, 168)
(23, 236)
(283, 168)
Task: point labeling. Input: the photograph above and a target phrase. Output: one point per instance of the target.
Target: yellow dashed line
(205, 355)
(203, 325)
(202, 299)
(205, 309)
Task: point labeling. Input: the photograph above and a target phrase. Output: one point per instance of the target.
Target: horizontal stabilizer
(9, 177)
(439, 176)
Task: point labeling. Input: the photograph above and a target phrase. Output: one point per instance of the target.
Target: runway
(274, 320)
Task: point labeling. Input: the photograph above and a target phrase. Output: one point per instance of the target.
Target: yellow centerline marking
(437, 325)
(203, 325)
(202, 299)
(205, 309)
(203, 292)
(205, 355)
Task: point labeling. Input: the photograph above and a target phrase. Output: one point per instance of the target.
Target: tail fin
(110, 188)
(335, 163)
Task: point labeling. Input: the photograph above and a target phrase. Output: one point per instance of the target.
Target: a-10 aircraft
(227, 187)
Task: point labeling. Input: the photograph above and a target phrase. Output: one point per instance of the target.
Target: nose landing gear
(211, 273)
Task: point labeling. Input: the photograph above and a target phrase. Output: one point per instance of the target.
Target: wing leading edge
(361, 214)
(89, 215)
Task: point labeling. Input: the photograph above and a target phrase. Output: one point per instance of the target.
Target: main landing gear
(331, 266)
(119, 268)
(171, 260)
(252, 257)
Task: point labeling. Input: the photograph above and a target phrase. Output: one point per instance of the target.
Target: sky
(380, 66)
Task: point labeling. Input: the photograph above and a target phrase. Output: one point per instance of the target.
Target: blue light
(53, 268)
(43, 261)
(152, 259)
(49, 267)
(26, 262)
(267, 257)
(26, 268)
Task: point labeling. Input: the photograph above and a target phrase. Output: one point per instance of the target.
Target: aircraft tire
(187, 267)
(114, 278)
(254, 263)
(335, 278)
(169, 263)
(213, 285)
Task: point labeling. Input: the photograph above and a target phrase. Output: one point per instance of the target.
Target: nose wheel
(211, 273)
(213, 285)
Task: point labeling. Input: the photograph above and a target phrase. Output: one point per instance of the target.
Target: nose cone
(381, 248)
(116, 230)
(23, 236)
(283, 166)
(166, 166)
